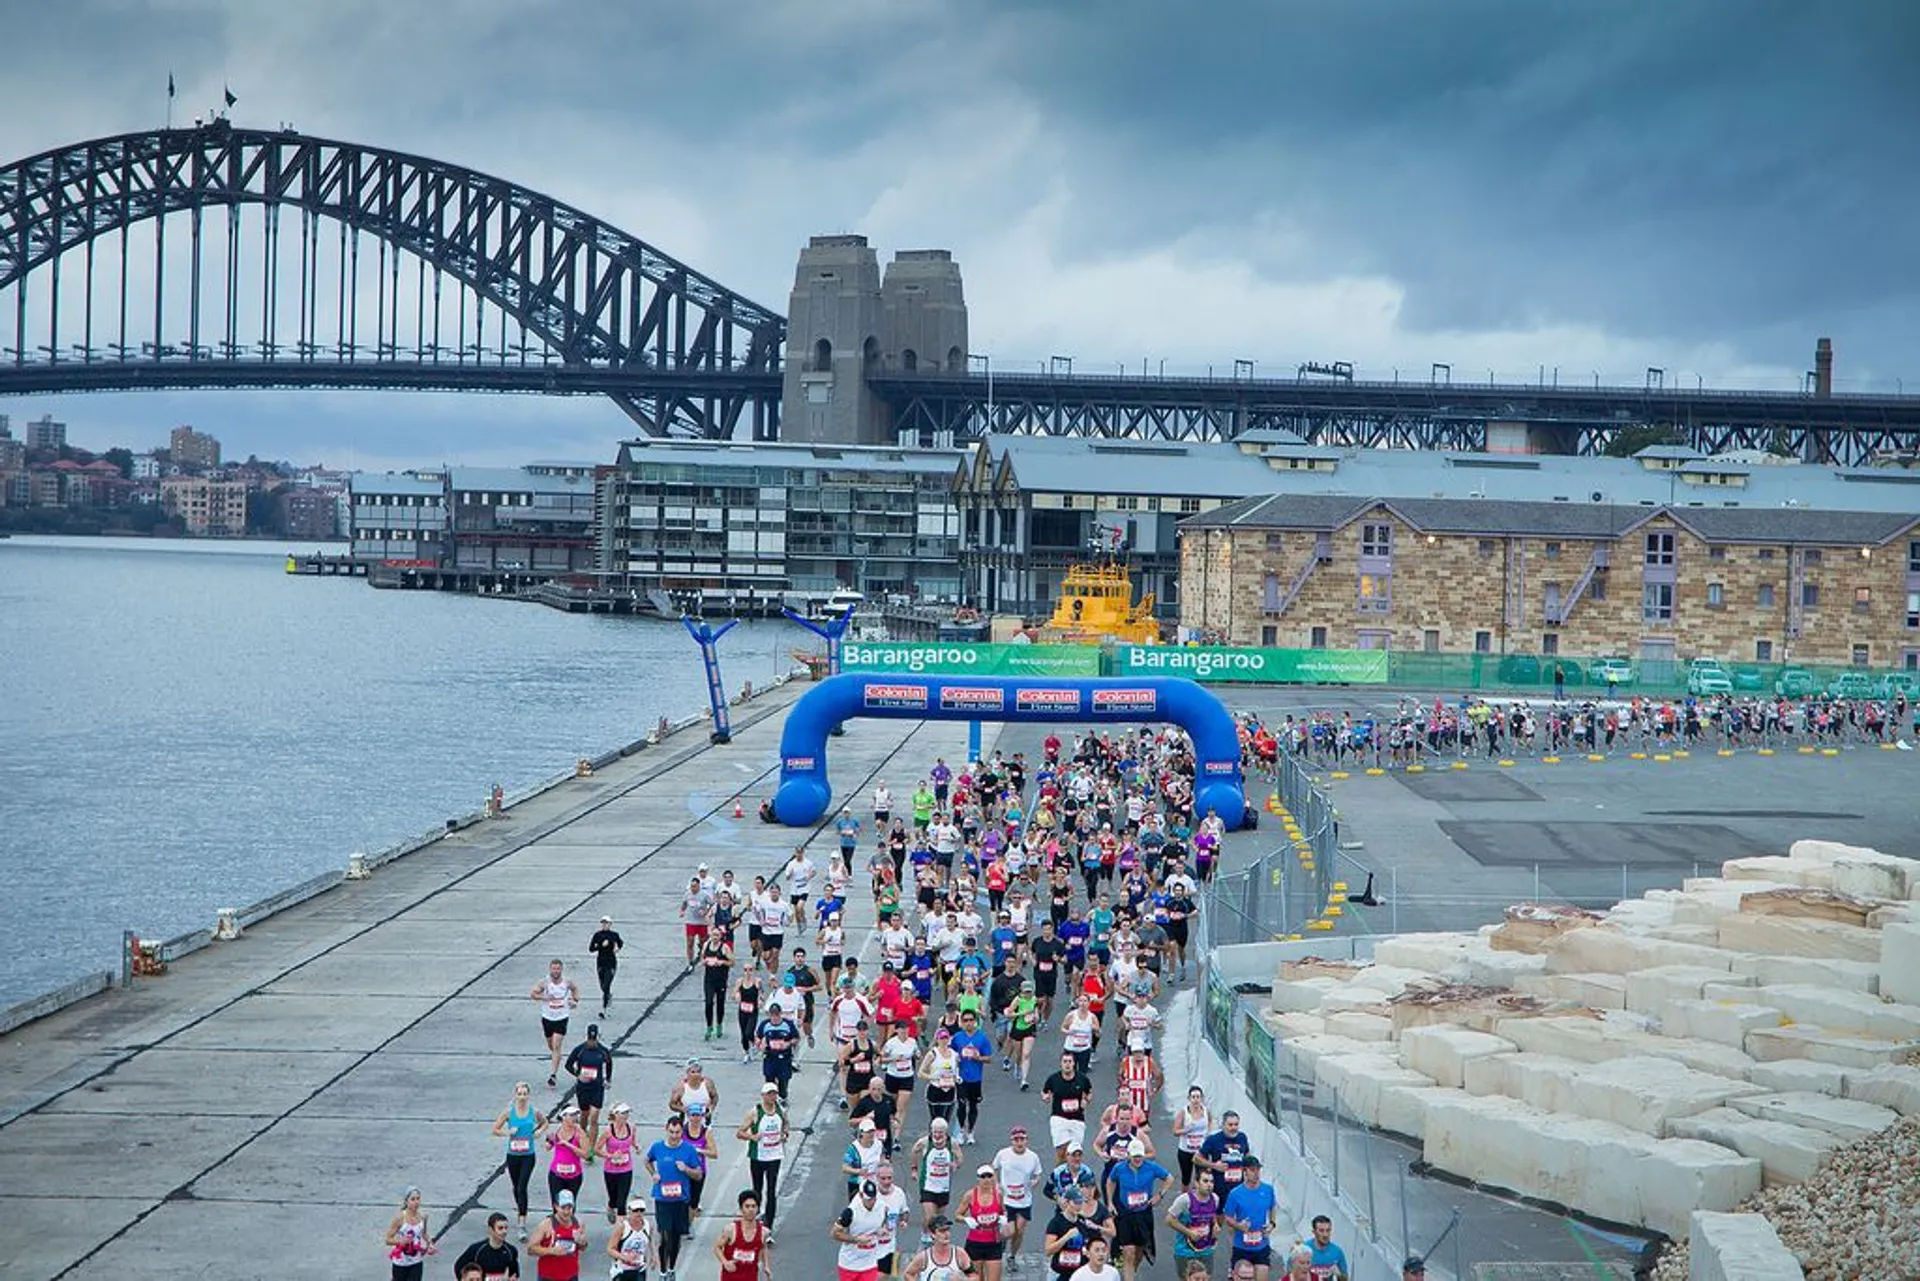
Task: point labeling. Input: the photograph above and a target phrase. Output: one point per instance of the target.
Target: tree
(1628, 441)
(122, 457)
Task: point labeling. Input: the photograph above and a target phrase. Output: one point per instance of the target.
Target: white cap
(769, 1088)
(622, 1109)
(1136, 1148)
(867, 1126)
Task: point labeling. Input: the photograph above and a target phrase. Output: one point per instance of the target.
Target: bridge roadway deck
(258, 1110)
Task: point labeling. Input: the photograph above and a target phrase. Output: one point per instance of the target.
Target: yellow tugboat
(1096, 605)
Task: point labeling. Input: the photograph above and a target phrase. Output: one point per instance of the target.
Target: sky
(1508, 186)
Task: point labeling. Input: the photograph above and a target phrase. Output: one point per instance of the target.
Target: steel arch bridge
(392, 270)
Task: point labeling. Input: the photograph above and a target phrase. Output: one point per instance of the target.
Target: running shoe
(552, 1081)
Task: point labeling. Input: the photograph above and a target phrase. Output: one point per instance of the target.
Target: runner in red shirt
(744, 1244)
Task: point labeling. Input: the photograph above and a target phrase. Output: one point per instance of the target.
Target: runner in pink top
(569, 1144)
(615, 1150)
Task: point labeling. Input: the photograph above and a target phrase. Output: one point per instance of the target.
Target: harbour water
(184, 726)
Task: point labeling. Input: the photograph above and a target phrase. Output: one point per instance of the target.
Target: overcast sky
(1596, 186)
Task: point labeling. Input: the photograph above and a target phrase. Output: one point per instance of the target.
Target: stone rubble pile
(1858, 1216)
(1677, 1053)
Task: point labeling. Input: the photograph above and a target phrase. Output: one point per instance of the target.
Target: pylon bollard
(739, 810)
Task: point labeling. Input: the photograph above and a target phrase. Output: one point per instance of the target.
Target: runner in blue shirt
(1004, 941)
(1073, 934)
(975, 1049)
(1134, 1187)
(849, 828)
(674, 1164)
(1329, 1260)
(1251, 1210)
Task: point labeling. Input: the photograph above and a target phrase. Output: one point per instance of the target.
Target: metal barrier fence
(1287, 890)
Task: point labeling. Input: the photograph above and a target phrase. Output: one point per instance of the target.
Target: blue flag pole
(708, 639)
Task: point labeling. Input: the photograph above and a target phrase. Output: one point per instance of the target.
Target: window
(1066, 500)
(1810, 595)
(1763, 651)
(1862, 655)
(1597, 587)
(1430, 640)
(1376, 592)
(1913, 610)
(1811, 556)
(1483, 642)
(1276, 542)
(1376, 540)
(1716, 553)
(1765, 600)
(1660, 548)
(1486, 547)
(1153, 504)
(1188, 506)
(1913, 557)
(1656, 603)
(1716, 596)
(1270, 594)
(1127, 502)
(1862, 599)
(1269, 635)
(1317, 639)
(1552, 551)
(1550, 643)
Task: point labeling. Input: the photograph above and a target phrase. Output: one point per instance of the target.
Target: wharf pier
(326, 565)
(257, 1110)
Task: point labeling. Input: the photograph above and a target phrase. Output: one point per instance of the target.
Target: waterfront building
(399, 516)
(526, 521)
(308, 513)
(767, 520)
(147, 467)
(193, 449)
(208, 508)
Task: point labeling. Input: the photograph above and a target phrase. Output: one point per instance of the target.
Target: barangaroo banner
(949, 658)
(1255, 666)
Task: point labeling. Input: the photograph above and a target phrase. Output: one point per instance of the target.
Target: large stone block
(1649, 991)
(1814, 850)
(1484, 966)
(1393, 979)
(1360, 1026)
(1899, 960)
(1738, 1247)
(1639, 915)
(1879, 876)
(1805, 872)
(1845, 1119)
(1605, 950)
(1803, 1075)
(1722, 1022)
(1358, 1080)
(1802, 1041)
(1443, 1052)
(1301, 996)
(1895, 1086)
(1857, 976)
(1596, 991)
(1305, 1052)
(1831, 1008)
(1787, 1153)
(1403, 1108)
(1351, 997)
(1592, 1041)
(1292, 1025)
(1642, 1094)
(1794, 936)
(1438, 954)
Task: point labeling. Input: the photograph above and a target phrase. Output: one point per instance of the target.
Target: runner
(695, 1094)
(1024, 1025)
(615, 1150)
(696, 915)
(673, 1165)
(566, 1168)
(876, 1105)
(831, 939)
(861, 1230)
(1075, 1225)
(1191, 1125)
(1252, 1210)
(799, 874)
(605, 946)
(491, 1257)
(1081, 1030)
(776, 1037)
(699, 1137)
(746, 1000)
(1225, 1153)
(1066, 1094)
(591, 1066)
(1097, 1267)
(940, 1068)
(745, 1247)
(557, 995)
(939, 1259)
(975, 1049)
(802, 979)
(632, 1246)
(894, 1202)
(765, 1133)
(984, 1212)
(1194, 1217)
(716, 967)
(1134, 1189)
(1020, 1173)
(558, 1241)
(521, 1125)
(935, 1157)
(408, 1240)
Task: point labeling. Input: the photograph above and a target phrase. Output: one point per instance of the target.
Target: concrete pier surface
(258, 1110)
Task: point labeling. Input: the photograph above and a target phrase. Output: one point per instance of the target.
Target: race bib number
(588, 1075)
(519, 1146)
(1253, 1239)
(1137, 1200)
(672, 1191)
(1069, 1107)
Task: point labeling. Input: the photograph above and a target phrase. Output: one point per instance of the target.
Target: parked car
(1894, 684)
(1793, 682)
(1748, 679)
(1519, 669)
(1851, 685)
(1705, 677)
(1612, 672)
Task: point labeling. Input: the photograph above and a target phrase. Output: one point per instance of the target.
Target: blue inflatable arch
(805, 792)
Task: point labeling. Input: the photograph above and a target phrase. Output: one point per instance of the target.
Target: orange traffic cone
(739, 810)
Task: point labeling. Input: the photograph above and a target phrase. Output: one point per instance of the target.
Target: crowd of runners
(1010, 902)
(1415, 731)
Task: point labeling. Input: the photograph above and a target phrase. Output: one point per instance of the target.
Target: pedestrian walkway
(259, 1110)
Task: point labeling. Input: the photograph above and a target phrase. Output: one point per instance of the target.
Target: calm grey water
(184, 726)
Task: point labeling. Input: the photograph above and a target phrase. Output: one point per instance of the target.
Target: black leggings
(670, 1250)
(940, 1104)
(970, 1092)
(556, 1184)
(520, 1172)
(620, 1183)
(766, 1187)
(747, 1024)
(606, 986)
(715, 999)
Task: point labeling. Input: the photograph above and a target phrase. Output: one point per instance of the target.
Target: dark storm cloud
(1696, 170)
